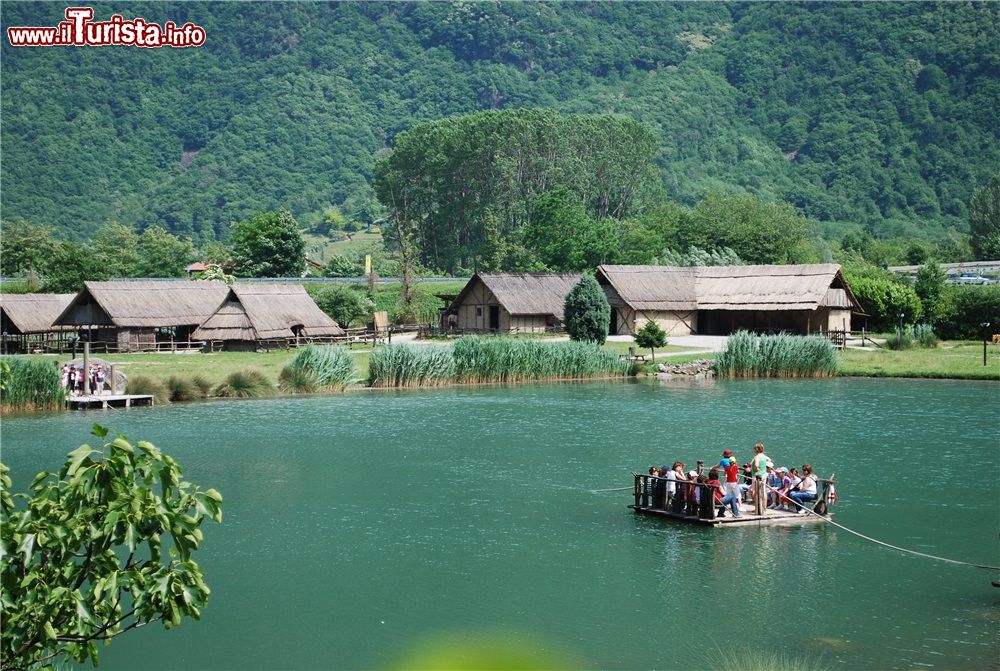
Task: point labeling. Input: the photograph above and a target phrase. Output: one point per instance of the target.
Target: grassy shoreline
(953, 360)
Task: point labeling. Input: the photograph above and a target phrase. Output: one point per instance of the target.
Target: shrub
(31, 385)
(586, 312)
(318, 368)
(885, 299)
(142, 385)
(247, 383)
(497, 359)
(920, 335)
(345, 305)
(968, 308)
(203, 386)
(181, 389)
(749, 355)
(411, 366)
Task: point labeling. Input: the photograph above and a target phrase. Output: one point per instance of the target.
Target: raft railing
(650, 493)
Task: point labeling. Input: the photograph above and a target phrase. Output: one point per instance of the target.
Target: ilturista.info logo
(80, 30)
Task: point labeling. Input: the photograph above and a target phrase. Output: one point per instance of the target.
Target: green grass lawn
(623, 347)
(320, 248)
(952, 359)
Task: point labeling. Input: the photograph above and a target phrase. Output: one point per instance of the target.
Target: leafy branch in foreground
(83, 557)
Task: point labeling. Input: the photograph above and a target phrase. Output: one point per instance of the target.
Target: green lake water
(358, 526)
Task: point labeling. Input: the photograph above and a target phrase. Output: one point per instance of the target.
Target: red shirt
(732, 473)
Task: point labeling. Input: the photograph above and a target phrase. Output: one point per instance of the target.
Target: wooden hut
(512, 302)
(265, 315)
(26, 322)
(130, 316)
(718, 300)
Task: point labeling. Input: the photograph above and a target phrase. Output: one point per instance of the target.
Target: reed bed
(498, 359)
(32, 385)
(141, 385)
(247, 383)
(318, 368)
(203, 385)
(181, 388)
(411, 366)
(749, 355)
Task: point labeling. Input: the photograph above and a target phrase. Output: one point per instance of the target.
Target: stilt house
(719, 300)
(256, 315)
(512, 302)
(130, 316)
(26, 322)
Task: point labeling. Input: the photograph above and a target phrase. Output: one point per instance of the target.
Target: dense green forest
(877, 119)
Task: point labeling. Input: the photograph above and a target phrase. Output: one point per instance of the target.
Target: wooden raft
(108, 401)
(684, 508)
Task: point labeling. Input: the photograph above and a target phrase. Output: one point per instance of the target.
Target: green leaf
(50, 633)
(99, 431)
(214, 495)
(27, 547)
(123, 445)
(77, 457)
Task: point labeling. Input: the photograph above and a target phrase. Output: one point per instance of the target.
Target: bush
(884, 300)
(142, 385)
(318, 368)
(345, 305)
(586, 312)
(181, 389)
(968, 308)
(31, 385)
(247, 383)
(749, 355)
(411, 366)
(202, 385)
(921, 335)
(497, 359)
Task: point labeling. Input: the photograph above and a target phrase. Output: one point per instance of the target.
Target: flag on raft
(832, 496)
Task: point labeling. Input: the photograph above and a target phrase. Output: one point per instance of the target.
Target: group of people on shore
(778, 488)
(75, 380)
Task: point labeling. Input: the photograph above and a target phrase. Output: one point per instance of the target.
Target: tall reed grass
(498, 359)
(749, 355)
(921, 334)
(247, 383)
(318, 369)
(142, 385)
(411, 366)
(32, 385)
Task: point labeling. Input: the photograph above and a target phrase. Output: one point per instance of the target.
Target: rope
(883, 543)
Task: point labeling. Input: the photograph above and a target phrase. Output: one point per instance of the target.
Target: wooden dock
(108, 401)
(701, 509)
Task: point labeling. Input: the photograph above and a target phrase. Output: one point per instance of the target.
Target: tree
(69, 265)
(587, 313)
(215, 273)
(24, 247)
(341, 265)
(344, 304)
(758, 232)
(564, 238)
(117, 248)
(651, 336)
(930, 288)
(984, 221)
(269, 244)
(884, 299)
(83, 556)
(162, 254)
(699, 257)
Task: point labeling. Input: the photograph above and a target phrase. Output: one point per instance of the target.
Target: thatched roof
(526, 293)
(649, 287)
(790, 287)
(33, 313)
(265, 311)
(144, 303)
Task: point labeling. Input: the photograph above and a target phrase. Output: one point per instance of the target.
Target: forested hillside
(878, 115)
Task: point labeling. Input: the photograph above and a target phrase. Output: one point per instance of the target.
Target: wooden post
(758, 496)
(86, 368)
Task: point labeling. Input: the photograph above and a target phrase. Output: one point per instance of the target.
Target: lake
(359, 526)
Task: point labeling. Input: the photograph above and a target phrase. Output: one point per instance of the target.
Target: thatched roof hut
(513, 301)
(23, 314)
(721, 299)
(251, 313)
(144, 304)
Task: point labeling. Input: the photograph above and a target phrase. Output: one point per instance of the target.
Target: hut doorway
(494, 317)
